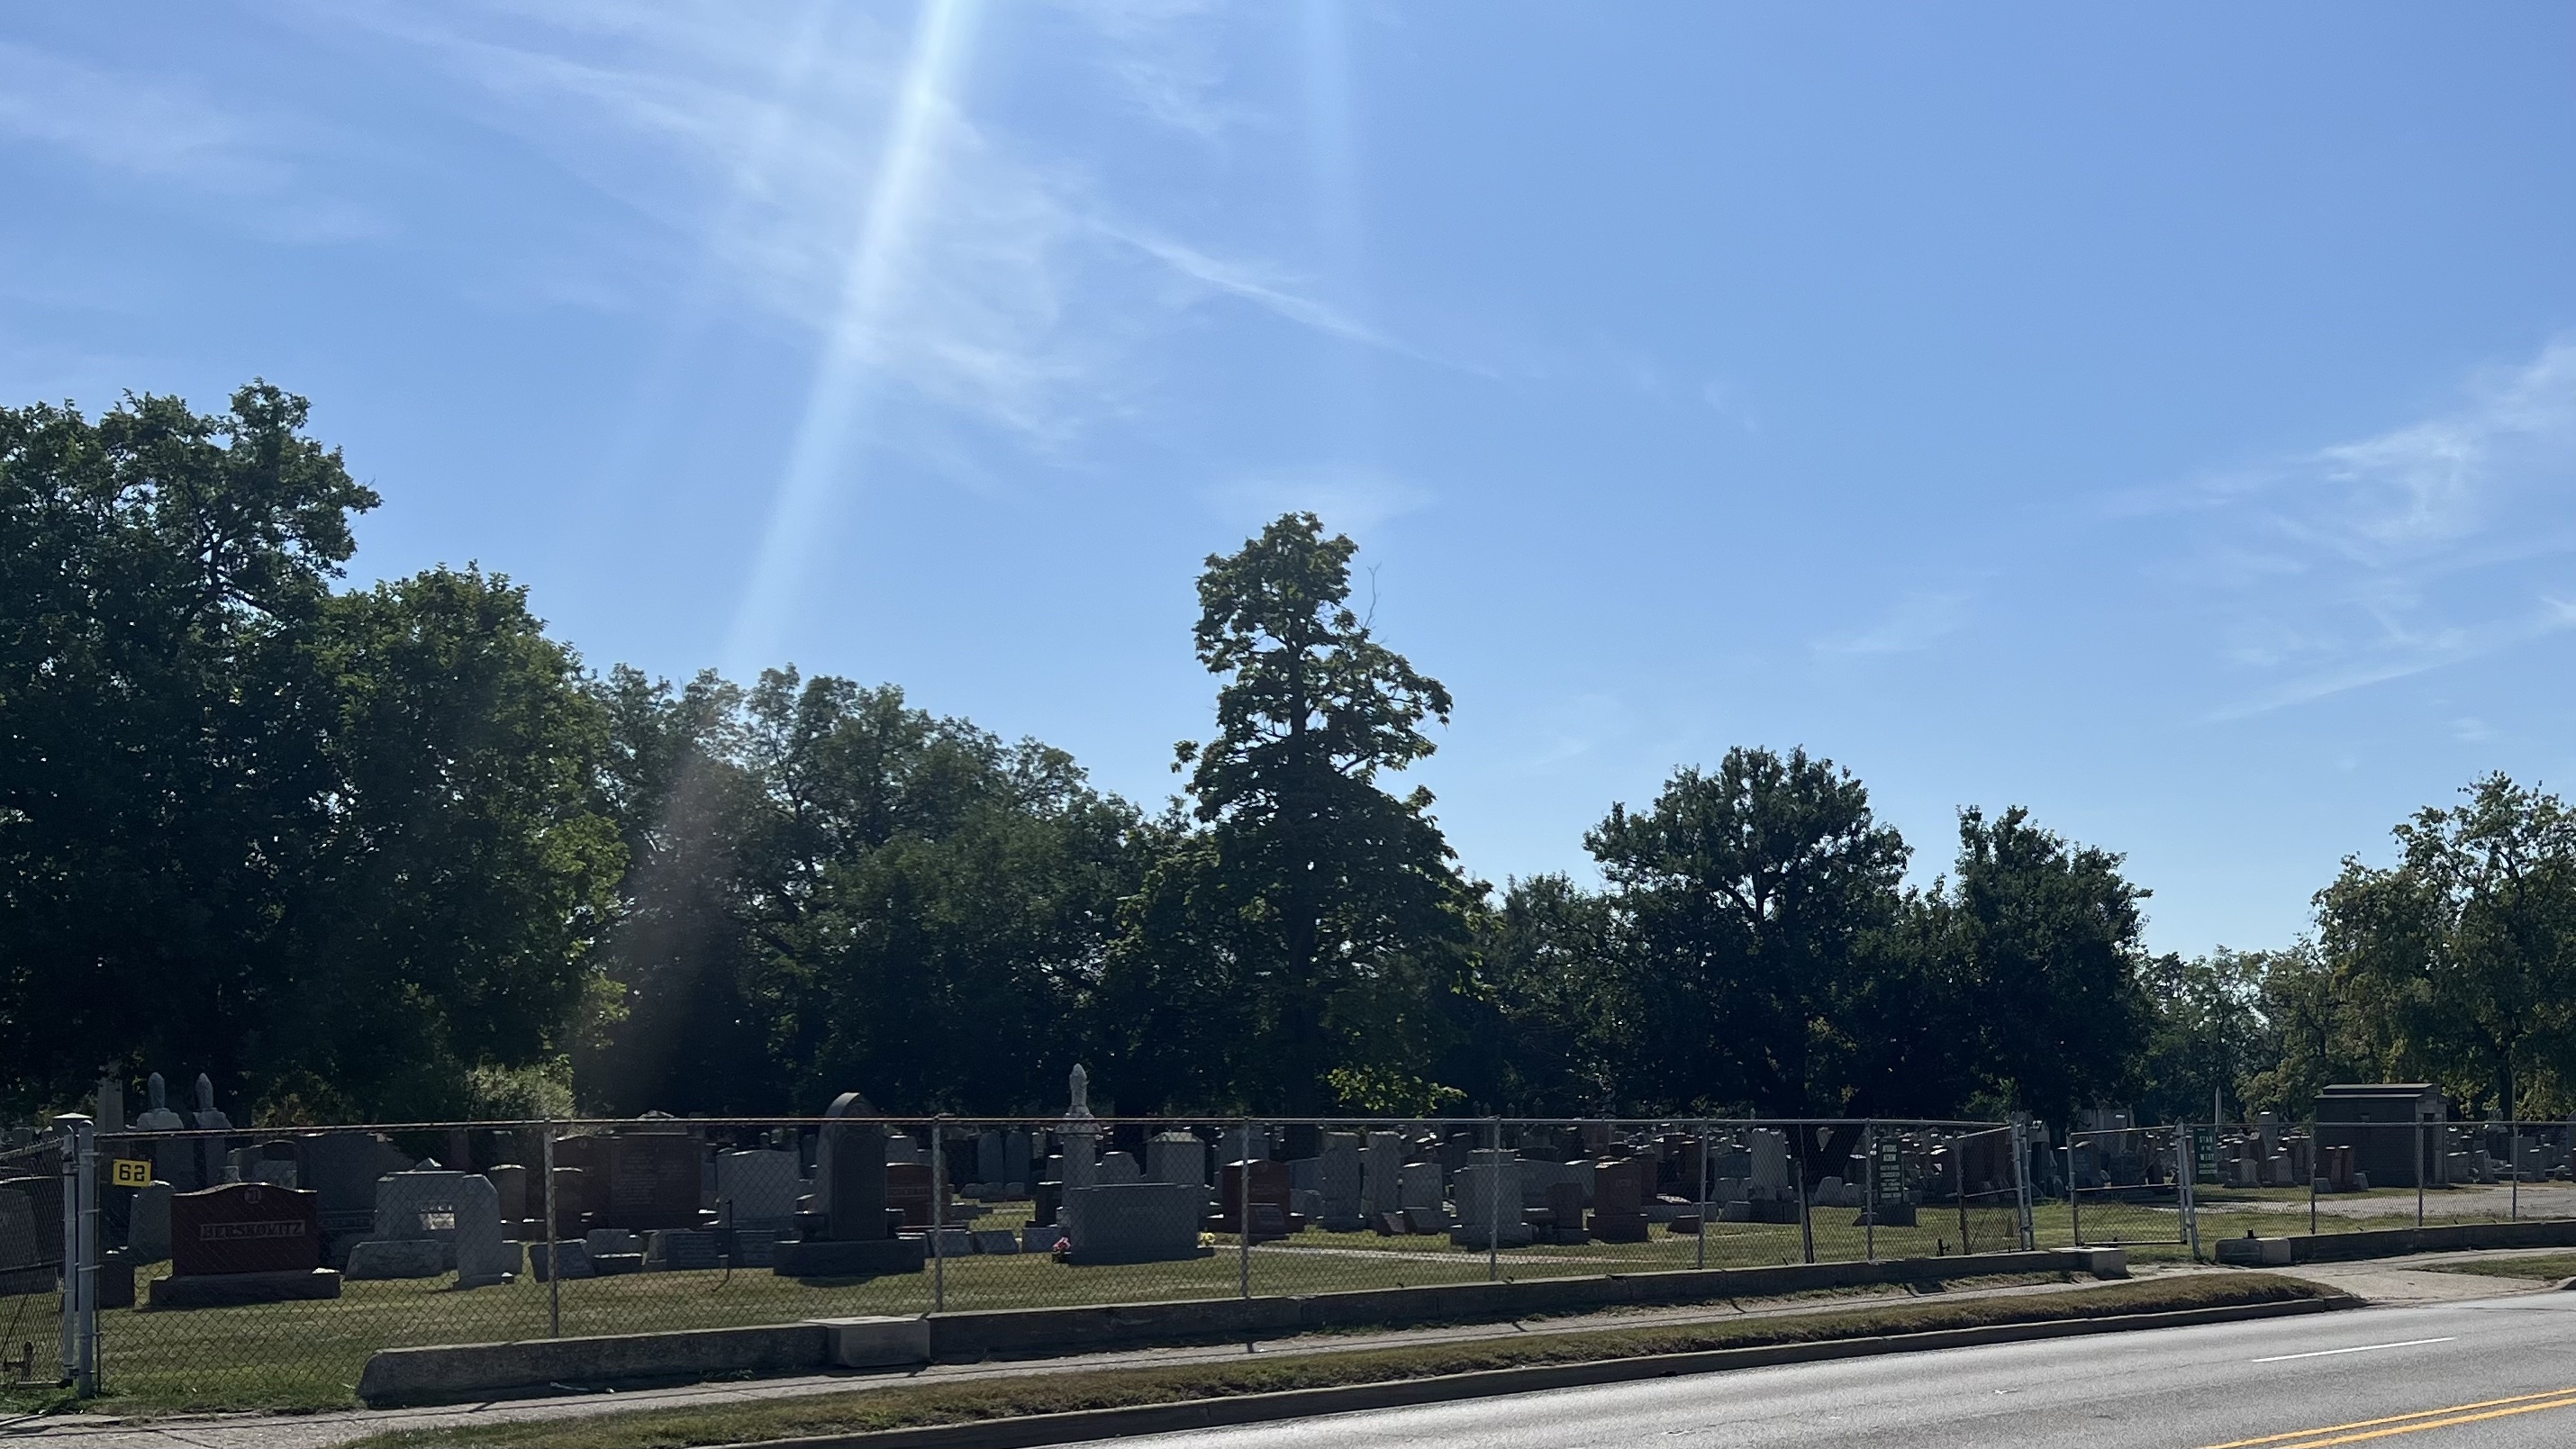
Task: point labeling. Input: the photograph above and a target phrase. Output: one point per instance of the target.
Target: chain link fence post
(79, 1347)
(1699, 1251)
(1869, 1192)
(2023, 1228)
(2074, 1192)
(1959, 1184)
(1243, 1208)
(2187, 1144)
(1494, 1199)
(86, 1277)
(939, 1213)
(554, 1238)
(1806, 1215)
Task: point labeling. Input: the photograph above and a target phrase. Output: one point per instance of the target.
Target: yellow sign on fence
(129, 1172)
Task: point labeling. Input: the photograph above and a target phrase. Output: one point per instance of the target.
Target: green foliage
(389, 852)
(833, 889)
(1745, 901)
(2460, 961)
(2209, 1036)
(2042, 936)
(334, 847)
(1316, 923)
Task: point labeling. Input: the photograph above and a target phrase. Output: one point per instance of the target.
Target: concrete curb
(1095, 1424)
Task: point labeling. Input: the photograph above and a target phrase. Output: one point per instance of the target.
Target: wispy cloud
(1347, 497)
(131, 124)
(1023, 294)
(1916, 622)
(142, 127)
(2431, 543)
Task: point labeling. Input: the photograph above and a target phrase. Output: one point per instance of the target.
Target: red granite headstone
(1270, 1184)
(245, 1228)
(907, 1186)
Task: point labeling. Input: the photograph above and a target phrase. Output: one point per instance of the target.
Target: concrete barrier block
(2108, 1262)
(2255, 1252)
(452, 1372)
(880, 1341)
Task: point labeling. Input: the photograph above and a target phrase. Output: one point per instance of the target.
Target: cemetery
(304, 1251)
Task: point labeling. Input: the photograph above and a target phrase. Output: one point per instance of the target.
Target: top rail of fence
(1057, 1121)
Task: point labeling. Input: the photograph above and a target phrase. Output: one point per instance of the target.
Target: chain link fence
(248, 1269)
(2125, 1187)
(32, 1347)
(261, 1268)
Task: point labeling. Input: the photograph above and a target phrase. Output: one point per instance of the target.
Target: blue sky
(2163, 417)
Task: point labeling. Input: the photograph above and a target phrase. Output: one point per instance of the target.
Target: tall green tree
(1746, 899)
(2208, 1036)
(2461, 958)
(1303, 943)
(834, 889)
(2043, 937)
(336, 850)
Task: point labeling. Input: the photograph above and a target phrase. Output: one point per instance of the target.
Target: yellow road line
(2434, 1424)
(2301, 1439)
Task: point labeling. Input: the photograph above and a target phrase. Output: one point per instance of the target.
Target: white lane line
(2365, 1348)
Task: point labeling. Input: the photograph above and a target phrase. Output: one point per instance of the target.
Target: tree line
(395, 853)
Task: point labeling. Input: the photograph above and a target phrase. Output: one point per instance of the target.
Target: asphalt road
(2483, 1374)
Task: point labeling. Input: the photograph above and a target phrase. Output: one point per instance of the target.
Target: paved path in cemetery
(2493, 1373)
(322, 1431)
(2538, 1200)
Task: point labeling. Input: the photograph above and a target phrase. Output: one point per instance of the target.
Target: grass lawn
(923, 1404)
(2548, 1267)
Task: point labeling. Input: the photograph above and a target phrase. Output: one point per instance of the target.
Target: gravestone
(907, 1190)
(1015, 1162)
(1078, 1165)
(244, 1243)
(414, 1235)
(342, 1167)
(1620, 1189)
(575, 1255)
(1489, 1206)
(652, 1181)
(1176, 1157)
(210, 1150)
(761, 1185)
(110, 1111)
(995, 1240)
(1118, 1168)
(1270, 1185)
(510, 1186)
(175, 1163)
(1565, 1213)
(991, 1158)
(1339, 1182)
(1381, 1166)
(749, 1247)
(1419, 1188)
(147, 1223)
(851, 1178)
(1770, 1162)
(681, 1250)
(485, 1256)
(1136, 1222)
(1079, 1134)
